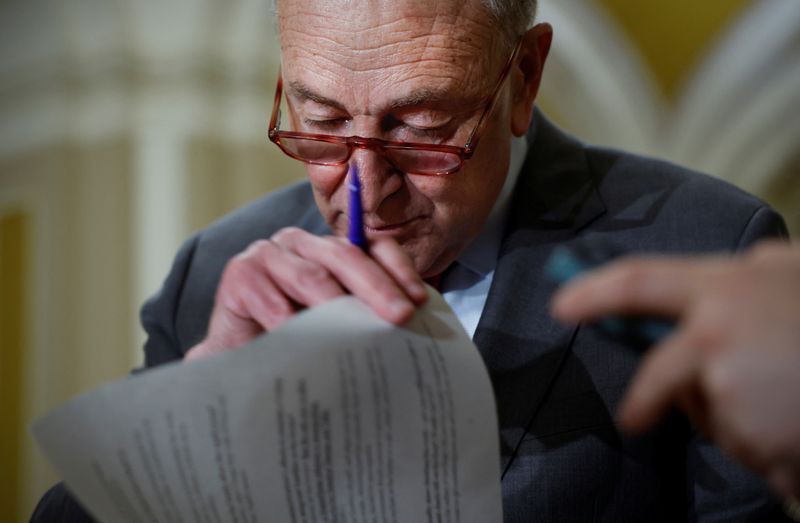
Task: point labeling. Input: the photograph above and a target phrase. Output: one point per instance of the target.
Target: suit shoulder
(689, 210)
(627, 173)
(637, 191)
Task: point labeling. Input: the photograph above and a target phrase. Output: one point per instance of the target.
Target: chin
(426, 259)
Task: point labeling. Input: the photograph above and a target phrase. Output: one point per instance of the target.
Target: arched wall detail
(735, 119)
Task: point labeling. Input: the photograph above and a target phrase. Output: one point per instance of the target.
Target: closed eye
(439, 134)
(325, 125)
(410, 132)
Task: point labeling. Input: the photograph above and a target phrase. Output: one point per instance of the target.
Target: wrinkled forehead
(388, 44)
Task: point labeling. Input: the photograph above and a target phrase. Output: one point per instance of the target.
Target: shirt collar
(480, 256)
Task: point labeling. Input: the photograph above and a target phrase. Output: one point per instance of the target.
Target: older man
(465, 183)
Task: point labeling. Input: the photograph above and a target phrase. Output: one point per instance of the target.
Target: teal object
(566, 263)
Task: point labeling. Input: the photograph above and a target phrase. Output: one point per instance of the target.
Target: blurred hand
(273, 279)
(732, 363)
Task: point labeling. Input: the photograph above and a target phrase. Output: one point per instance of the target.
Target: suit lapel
(522, 345)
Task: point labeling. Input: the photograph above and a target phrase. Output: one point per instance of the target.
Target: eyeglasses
(408, 157)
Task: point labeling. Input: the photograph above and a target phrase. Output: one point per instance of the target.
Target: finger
(199, 351)
(396, 262)
(785, 480)
(742, 422)
(354, 270)
(247, 303)
(669, 369)
(248, 293)
(693, 401)
(767, 251)
(634, 286)
(306, 282)
(258, 298)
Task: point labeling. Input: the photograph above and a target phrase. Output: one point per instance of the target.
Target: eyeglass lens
(407, 160)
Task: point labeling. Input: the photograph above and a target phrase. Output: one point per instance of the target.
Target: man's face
(405, 71)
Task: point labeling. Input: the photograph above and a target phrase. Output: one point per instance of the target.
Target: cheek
(326, 179)
(433, 189)
(464, 205)
(448, 203)
(328, 185)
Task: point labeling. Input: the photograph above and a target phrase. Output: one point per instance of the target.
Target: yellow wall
(65, 318)
(671, 36)
(13, 231)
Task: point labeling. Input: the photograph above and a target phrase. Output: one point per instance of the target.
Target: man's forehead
(413, 53)
(363, 14)
(367, 34)
(440, 97)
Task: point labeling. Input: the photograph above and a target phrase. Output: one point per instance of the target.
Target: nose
(379, 179)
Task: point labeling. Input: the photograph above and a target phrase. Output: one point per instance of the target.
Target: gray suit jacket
(557, 387)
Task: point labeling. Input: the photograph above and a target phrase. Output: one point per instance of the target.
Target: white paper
(336, 416)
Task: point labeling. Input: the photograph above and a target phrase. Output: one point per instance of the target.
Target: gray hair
(513, 17)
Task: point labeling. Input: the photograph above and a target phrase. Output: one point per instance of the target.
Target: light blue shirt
(465, 285)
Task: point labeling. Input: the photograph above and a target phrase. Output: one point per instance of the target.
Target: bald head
(393, 45)
(510, 17)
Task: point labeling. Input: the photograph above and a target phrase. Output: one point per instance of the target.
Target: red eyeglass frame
(464, 153)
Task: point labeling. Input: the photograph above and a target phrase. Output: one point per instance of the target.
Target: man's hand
(273, 279)
(733, 361)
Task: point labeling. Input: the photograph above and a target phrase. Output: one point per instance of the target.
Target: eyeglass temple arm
(474, 137)
(276, 107)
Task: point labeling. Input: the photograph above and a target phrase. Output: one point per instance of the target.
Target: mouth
(390, 228)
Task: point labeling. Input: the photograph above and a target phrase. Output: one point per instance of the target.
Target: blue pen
(355, 231)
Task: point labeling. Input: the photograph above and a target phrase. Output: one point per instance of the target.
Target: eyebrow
(305, 93)
(419, 97)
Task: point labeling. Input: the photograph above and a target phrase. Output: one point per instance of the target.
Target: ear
(528, 75)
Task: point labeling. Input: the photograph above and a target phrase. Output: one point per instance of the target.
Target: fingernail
(400, 309)
(417, 289)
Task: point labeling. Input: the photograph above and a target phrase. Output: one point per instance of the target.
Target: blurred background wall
(126, 125)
